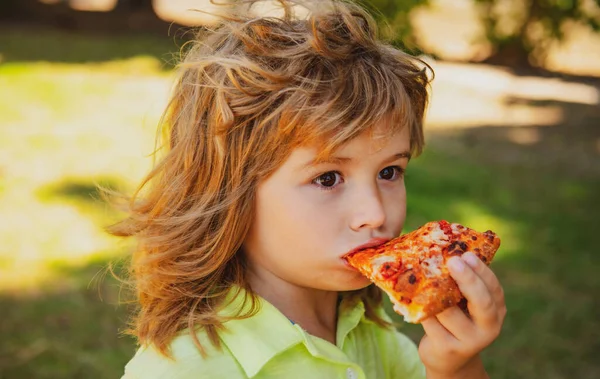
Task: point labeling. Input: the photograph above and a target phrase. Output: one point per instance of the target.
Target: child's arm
(453, 341)
(473, 370)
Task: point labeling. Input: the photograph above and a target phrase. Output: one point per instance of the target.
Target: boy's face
(308, 216)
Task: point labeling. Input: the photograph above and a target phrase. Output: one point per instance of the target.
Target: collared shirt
(268, 345)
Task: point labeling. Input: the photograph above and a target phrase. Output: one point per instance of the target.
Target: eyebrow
(341, 160)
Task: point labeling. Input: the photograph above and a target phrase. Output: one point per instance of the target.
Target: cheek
(289, 225)
(308, 221)
(395, 205)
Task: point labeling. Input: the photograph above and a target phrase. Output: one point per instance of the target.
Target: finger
(487, 275)
(457, 323)
(437, 331)
(480, 301)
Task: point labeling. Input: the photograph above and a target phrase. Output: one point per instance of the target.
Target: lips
(371, 243)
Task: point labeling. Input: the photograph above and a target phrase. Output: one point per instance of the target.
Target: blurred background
(513, 145)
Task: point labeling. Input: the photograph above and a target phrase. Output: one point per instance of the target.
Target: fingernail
(456, 265)
(470, 258)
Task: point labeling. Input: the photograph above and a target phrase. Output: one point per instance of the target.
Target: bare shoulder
(186, 361)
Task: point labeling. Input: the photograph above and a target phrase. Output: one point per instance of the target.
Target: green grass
(48, 45)
(68, 329)
(78, 111)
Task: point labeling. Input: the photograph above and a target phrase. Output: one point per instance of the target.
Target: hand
(453, 340)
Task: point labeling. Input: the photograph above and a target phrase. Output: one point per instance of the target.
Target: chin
(360, 284)
(357, 282)
(341, 284)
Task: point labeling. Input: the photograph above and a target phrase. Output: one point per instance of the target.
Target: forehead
(371, 144)
(374, 140)
(378, 138)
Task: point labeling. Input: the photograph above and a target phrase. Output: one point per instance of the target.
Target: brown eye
(328, 179)
(390, 173)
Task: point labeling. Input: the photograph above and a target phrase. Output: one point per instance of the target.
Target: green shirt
(268, 345)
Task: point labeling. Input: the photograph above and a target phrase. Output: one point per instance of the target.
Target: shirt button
(351, 374)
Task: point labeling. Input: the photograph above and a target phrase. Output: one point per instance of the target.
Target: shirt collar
(255, 340)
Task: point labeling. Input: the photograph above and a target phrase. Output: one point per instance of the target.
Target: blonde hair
(248, 92)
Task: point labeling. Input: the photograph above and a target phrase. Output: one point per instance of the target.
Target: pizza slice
(412, 270)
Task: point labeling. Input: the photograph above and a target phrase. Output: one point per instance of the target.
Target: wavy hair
(248, 92)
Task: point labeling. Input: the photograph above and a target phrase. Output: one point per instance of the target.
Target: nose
(368, 211)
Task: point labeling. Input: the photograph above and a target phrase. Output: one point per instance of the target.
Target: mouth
(374, 242)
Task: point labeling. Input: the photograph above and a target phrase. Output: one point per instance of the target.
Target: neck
(314, 310)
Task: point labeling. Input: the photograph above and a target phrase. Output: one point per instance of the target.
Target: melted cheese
(455, 228)
(432, 266)
(436, 236)
(411, 313)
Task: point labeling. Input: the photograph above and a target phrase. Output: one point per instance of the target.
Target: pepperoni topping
(389, 269)
(453, 245)
(446, 228)
(457, 248)
(490, 235)
(405, 300)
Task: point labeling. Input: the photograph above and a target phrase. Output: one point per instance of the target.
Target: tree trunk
(516, 52)
(512, 54)
(131, 6)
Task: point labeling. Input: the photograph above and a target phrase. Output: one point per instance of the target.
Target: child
(287, 143)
